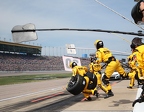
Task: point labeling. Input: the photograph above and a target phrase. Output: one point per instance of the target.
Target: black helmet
(99, 44)
(136, 13)
(73, 64)
(136, 42)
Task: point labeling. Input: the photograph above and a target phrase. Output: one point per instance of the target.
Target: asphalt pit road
(120, 102)
(47, 97)
(60, 105)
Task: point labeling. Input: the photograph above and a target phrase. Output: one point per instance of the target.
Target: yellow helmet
(95, 43)
(72, 64)
(98, 44)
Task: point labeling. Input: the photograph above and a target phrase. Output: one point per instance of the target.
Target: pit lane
(58, 99)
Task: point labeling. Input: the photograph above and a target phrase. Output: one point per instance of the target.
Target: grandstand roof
(19, 48)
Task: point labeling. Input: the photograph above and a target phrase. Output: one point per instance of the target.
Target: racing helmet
(136, 13)
(136, 42)
(72, 64)
(99, 44)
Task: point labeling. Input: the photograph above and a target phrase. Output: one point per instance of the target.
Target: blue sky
(86, 14)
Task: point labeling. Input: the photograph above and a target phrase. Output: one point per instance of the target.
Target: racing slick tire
(77, 86)
(93, 80)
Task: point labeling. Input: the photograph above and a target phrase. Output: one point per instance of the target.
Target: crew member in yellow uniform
(137, 14)
(132, 72)
(135, 72)
(95, 68)
(138, 57)
(103, 54)
(82, 70)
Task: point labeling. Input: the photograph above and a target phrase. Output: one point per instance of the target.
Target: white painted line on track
(29, 94)
(139, 107)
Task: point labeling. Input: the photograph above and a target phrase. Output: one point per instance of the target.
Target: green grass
(6, 80)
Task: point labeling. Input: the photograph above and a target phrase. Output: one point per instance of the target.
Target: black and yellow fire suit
(135, 72)
(81, 70)
(138, 58)
(95, 68)
(105, 55)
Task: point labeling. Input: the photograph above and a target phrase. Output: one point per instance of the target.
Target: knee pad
(105, 80)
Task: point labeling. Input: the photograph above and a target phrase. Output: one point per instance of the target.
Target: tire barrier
(76, 87)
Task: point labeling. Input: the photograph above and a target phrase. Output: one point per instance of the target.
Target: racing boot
(96, 93)
(129, 87)
(89, 98)
(109, 94)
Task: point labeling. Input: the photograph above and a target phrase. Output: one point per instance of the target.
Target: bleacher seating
(21, 62)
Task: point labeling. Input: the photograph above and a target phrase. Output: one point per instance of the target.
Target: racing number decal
(67, 60)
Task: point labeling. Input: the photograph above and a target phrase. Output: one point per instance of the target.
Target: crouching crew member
(95, 68)
(82, 70)
(134, 72)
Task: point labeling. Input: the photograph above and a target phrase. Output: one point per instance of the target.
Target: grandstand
(22, 57)
(16, 48)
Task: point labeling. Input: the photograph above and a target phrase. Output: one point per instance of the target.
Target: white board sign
(70, 49)
(67, 60)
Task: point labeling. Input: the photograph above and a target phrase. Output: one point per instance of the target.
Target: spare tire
(92, 80)
(77, 86)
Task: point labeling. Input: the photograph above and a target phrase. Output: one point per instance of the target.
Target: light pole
(45, 50)
(49, 51)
